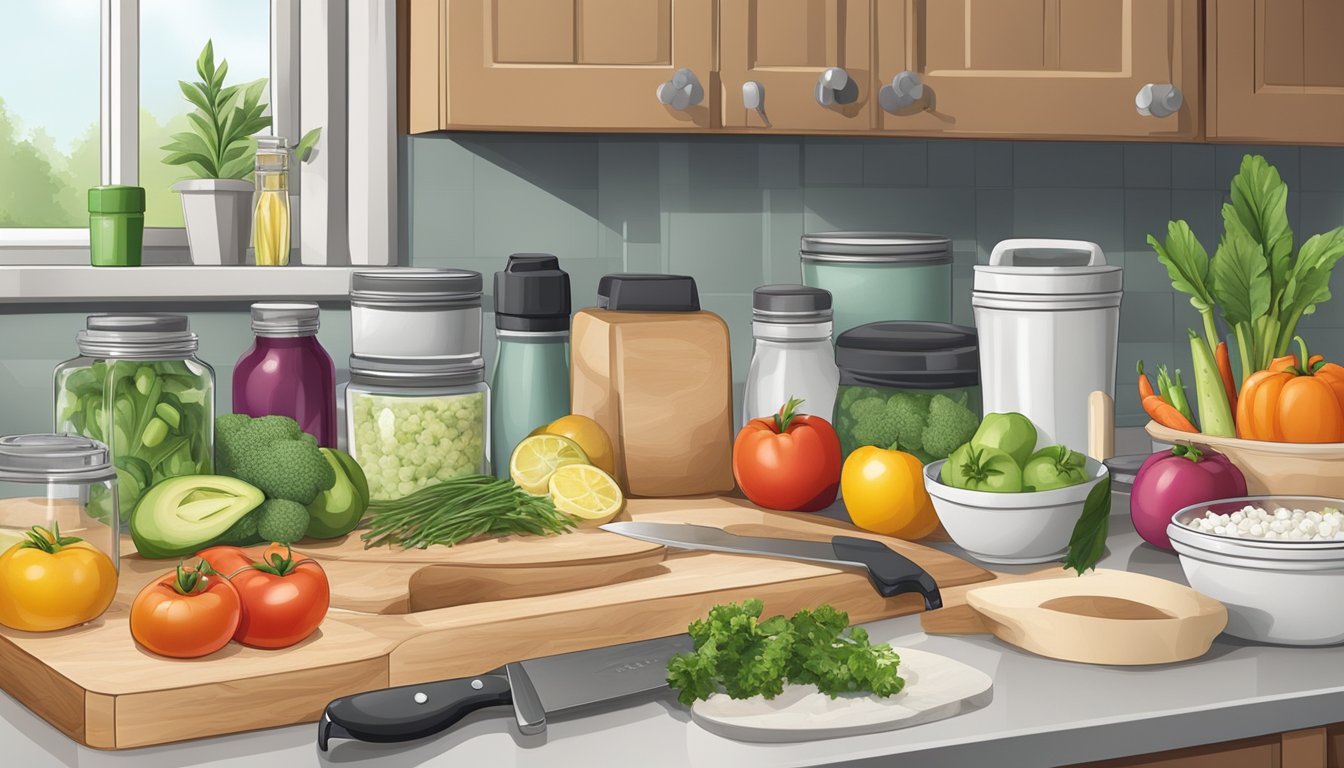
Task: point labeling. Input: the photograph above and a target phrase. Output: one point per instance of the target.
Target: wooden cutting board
(1102, 617)
(94, 684)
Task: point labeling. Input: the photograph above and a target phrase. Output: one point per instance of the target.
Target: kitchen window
(98, 107)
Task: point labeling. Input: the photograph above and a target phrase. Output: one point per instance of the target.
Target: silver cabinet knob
(905, 89)
(753, 98)
(1158, 100)
(836, 87)
(683, 91)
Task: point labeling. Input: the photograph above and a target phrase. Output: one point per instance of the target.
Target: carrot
(1145, 386)
(1165, 413)
(1224, 360)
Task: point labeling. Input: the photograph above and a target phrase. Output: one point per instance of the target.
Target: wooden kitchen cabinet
(1040, 68)
(786, 46)
(558, 64)
(1276, 70)
(1297, 749)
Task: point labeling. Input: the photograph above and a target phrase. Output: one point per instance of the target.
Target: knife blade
(890, 572)
(537, 688)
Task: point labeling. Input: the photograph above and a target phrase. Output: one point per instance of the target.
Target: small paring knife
(890, 572)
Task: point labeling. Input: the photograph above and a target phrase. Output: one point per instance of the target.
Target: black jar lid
(790, 304)
(634, 292)
(909, 355)
(532, 294)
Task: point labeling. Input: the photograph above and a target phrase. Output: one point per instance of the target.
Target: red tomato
(789, 462)
(185, 614)
(284, 595)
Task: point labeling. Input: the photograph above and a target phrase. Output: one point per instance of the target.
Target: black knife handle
(891, 572)
(411, 711)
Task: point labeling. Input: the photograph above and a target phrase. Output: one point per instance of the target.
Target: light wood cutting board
(1102, 617)
(94, 684)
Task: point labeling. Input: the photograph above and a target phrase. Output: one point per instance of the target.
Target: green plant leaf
(1088, 542)
(1309, 281)
(1259, 202)
(217, 79)
(1241, 282)
(239, 168)
(304, 148)
(239, 149)
(1187, 263)
(205, 63)
(203, 166)
(205, 129)
(252, 92)
(197, 96)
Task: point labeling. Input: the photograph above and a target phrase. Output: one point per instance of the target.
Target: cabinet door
(1040, 68)
(786, 46)
(1276, 70)
(563, 64)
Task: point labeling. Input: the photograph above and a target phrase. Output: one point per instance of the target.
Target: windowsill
(38, 284)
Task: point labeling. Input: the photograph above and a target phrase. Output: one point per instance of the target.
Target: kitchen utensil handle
(1100, 426)
(891, 572)
(1003, 252)
(410, 711)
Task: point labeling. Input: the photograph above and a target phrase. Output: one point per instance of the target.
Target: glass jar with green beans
(138, 387)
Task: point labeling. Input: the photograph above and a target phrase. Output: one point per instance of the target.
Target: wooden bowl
(1291, 469)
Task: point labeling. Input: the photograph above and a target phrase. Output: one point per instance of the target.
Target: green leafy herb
(738, 654)
(220, 144)
(1088, 541)
(459, 509)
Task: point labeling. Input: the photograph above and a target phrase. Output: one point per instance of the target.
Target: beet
(1171, 480)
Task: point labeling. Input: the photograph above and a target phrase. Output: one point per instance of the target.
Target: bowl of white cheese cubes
(1276, 562)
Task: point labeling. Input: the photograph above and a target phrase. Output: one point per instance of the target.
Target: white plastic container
(416, 314)
(793, 356)
(1049, 327)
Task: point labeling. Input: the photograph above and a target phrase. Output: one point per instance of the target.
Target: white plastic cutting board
(936, 688)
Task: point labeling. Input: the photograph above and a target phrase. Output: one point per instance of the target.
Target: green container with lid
(116, 225)
(880, 276)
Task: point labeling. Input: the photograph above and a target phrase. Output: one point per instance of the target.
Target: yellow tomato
(884, 493)
(590, 436)
(53, 582)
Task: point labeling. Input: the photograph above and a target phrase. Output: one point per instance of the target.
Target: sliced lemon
(536, 458)
(586, 493)
(9, 537)
(590, 436)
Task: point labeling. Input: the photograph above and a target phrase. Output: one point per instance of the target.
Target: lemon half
(537, 458)
(586, 493)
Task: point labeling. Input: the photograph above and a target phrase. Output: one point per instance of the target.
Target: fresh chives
(463, 508)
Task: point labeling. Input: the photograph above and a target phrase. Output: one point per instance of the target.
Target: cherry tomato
(192, 612)
(789, 461)
(284, 595)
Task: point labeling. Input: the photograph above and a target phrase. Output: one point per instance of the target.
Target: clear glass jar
(792, 355)
(270, 203)
(412, 424)
(58, 481)
(138, 387)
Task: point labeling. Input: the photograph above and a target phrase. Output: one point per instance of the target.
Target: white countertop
(1044, 712)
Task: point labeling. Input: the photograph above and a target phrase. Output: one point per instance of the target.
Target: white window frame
(119, 86)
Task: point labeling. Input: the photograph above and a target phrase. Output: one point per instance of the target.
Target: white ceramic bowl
(1011, 528)
(1289, 592)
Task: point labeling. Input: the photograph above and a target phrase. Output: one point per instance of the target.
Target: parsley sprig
(738, 654)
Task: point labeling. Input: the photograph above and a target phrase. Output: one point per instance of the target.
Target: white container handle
(1003, 252)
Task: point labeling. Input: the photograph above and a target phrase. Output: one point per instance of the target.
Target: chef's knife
(890, 572)
(536, 689)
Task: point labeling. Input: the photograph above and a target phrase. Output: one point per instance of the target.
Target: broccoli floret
(273, 454)
(951, 424)
(241, 533)
(281, 520)
(911, 417)
(874, 424)
(853, 395)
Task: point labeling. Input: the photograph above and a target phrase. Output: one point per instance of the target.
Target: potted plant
(220, 151)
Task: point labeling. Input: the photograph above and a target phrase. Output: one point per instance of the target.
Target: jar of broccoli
(912, 386)
(138, 387)
(411, 424)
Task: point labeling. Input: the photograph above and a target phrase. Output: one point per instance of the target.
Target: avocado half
(181, 514)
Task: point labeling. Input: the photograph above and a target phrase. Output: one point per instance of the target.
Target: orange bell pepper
(1301, 401)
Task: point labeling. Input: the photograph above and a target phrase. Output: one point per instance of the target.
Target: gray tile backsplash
(729, 210)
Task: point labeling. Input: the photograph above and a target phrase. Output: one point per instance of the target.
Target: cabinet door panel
(1040, 67)
(1276, 70)
(785, 45)
(572, 64)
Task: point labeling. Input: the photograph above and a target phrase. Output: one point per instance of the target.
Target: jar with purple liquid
(287, 372)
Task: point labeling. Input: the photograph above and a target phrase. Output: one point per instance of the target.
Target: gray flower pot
(218, 213)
